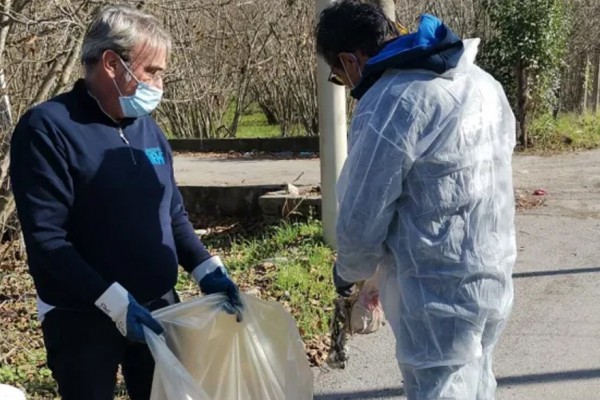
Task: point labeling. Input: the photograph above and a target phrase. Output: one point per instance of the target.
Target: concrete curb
(273, 202)
(304, 144)
(225, 201)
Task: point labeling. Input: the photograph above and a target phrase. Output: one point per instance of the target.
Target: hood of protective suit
(434, 47)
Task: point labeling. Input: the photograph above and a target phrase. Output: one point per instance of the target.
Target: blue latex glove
(218, 282)
(129, 317)
(342, 287)
(137, 316)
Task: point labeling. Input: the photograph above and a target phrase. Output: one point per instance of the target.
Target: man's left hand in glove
(212, 278)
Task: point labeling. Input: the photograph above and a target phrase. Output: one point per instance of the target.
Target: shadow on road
(533, 274)
(366, 394)
(531, 379)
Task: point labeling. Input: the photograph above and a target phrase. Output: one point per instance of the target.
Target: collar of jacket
(434, 46)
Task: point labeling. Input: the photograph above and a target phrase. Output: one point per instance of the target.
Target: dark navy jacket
(98, 203)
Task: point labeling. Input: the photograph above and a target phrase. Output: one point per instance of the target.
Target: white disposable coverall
(426, 195)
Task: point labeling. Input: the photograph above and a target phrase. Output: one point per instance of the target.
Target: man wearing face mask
(425, 194)
(103, 220)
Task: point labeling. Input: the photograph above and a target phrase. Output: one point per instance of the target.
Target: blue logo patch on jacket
(155, 155)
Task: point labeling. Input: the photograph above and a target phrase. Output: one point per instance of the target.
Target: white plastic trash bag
(205, 354)
(367, 313)
(8, 392)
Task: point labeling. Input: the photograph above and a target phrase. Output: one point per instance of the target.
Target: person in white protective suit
(425, 194)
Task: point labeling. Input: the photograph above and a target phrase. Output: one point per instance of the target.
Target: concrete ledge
(283, 205)
(273, 202)
(225, 201)
(309, 144)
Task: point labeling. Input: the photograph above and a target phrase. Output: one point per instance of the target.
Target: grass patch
(568, 132)
(288, 263)
(255, 125)
(22, 353)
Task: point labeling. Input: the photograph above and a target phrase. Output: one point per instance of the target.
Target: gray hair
(120, 29)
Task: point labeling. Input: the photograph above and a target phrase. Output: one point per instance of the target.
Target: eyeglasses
(335, 79)
(155, 78)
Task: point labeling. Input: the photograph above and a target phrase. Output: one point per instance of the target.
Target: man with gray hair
(103, 220)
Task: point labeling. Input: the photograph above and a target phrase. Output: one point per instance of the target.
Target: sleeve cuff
(356, 267)
(207, 267)
(114, 301)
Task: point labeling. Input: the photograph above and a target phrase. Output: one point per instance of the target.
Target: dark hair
(350, 25)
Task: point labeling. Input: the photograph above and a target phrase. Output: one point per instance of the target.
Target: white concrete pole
(333, 140)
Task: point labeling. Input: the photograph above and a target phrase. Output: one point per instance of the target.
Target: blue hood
(433, 46)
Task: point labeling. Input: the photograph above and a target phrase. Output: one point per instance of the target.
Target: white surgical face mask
(353, 85)
(145, 99)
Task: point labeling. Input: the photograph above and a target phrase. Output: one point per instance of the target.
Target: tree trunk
(4, 22)
(7, 204)
(69, 65)
(269, 112)
(598, 88)
(586, 84)
(49, 81)
(5, 110)
(523, 103)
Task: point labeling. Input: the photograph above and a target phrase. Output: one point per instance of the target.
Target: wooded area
(233, 55)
